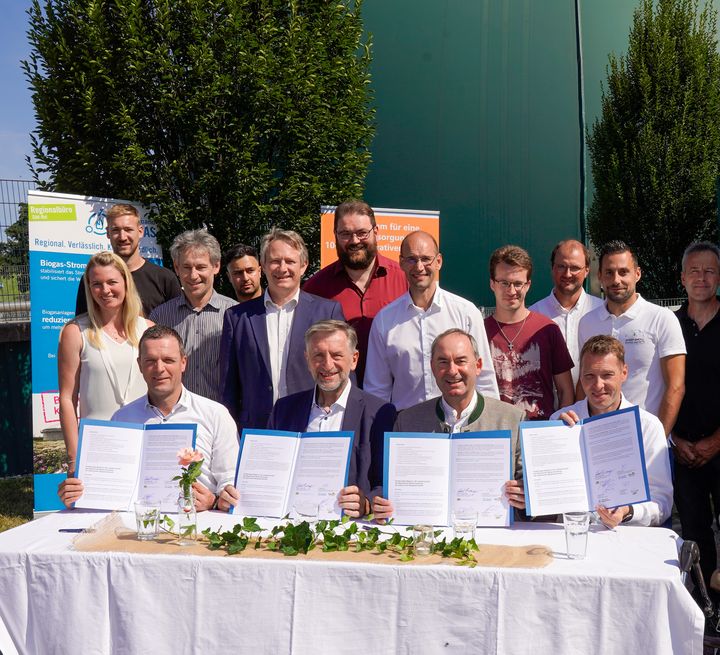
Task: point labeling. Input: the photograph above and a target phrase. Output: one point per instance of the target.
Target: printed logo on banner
(51, 406)
(54, 212)
(96, 223)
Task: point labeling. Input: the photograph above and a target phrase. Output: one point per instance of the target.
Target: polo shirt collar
(631, 312)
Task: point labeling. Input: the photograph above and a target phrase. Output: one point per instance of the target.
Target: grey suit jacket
(496, 415)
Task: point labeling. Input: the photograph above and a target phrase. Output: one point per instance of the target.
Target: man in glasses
(361, 280)
(568, 302)
(399, 349)
(528, 350)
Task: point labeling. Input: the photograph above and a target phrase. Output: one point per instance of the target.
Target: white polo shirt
(648, 332)
(398, 359)
(568, 321)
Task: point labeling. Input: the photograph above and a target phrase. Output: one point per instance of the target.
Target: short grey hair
(331, 326)
(199, 239)
(700, 246)
(290, 237)
(447, 333)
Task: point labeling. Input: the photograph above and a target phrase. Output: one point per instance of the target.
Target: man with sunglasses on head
(399, 350)
(528, 350)
(361, 280)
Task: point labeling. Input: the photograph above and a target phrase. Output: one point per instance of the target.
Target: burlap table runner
(111, 535)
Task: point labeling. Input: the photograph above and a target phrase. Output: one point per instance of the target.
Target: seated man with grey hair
(262, 342)
(197, 313)
(334, 404)
(455, 362)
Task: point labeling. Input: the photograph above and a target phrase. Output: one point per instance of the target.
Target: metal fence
(14, 273)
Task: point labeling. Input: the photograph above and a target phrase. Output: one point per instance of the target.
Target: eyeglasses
(414, 261)
(362, 235)
(562, 268)
(507, 285)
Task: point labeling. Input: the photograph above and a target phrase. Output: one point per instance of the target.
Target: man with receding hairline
(398, 363)
(567, 303)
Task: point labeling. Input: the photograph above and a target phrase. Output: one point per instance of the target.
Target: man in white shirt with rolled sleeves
(567, 303)
(399, 351)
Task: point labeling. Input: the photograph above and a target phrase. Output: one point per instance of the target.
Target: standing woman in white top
(97, 353)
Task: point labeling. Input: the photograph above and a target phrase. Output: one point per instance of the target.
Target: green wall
(478, 115)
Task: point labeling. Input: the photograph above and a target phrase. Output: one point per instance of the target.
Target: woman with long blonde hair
(97, 352)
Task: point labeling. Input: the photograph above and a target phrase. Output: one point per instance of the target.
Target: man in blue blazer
(333, 404)
(262, 342)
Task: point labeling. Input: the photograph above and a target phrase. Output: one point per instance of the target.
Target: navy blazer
(368, 416)
(245, 356)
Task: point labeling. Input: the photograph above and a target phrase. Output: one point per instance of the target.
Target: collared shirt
(279, 323)
(649, 333)
(568, 320)
(699, 414)
(398, 362)
(457, 423)
(201, 332)
(387, 282)
(657, 463)
(322, 421)
(216, 437)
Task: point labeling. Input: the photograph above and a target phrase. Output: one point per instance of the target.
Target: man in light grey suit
(455, 364)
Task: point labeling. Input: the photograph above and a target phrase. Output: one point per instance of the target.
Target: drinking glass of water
(576, 532)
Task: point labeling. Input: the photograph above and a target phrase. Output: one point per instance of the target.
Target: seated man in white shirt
(162, 361)
(335, 404)
(602, 373)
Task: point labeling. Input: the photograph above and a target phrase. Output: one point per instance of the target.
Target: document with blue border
(278, 471)
(430, 475)
(121, 462)
(598, 461)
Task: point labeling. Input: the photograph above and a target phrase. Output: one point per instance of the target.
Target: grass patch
(16, 501)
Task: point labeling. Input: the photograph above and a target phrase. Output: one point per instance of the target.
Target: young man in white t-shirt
(652, 337)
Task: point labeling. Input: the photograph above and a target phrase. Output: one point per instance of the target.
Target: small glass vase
(186, 525)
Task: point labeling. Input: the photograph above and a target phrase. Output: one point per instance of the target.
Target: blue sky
(16, 111)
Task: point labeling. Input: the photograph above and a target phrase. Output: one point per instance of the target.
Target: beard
(360, 258)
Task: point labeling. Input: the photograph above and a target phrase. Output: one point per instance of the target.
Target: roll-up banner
(64, 232)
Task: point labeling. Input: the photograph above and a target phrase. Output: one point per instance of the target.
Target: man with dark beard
(361, 280)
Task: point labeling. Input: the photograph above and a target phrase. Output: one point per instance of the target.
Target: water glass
(576, 532)
(423, 539)
(464, 522)
(147, 514)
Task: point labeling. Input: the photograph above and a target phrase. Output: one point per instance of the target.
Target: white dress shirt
(398, 360)
(657, 462)
(322, 421)
(455, 422)
(568, 321)
(216, 437)
(649, 333)
(278, 321)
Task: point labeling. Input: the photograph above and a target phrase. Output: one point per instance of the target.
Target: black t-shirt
(154, 283)
(699, 414)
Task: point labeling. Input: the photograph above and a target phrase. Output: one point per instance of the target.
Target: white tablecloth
(625, 597)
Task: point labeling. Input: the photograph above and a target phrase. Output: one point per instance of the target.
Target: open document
(598, 461)
(121, 462)
(281, 472)
(430, 475)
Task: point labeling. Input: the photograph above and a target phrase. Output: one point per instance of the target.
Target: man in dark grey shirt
(197, 313)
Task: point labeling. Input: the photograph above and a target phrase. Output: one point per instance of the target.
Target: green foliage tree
(655, 149)
(14, 250)
(234, 114)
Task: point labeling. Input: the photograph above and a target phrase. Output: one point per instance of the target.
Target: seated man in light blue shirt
(162, 361)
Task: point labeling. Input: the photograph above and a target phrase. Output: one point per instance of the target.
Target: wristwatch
(628, 517)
